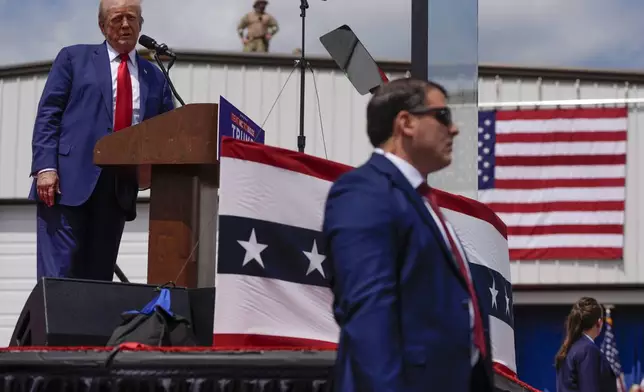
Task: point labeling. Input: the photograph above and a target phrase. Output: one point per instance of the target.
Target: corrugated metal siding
(632, 268)
(18, 259)
(254, 89)
(338, 116)
(18, 102)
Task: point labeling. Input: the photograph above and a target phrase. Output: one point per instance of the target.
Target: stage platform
(139, 368)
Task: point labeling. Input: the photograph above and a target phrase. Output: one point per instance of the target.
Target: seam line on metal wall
(563, 102)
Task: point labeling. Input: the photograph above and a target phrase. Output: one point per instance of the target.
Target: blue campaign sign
(234, 123)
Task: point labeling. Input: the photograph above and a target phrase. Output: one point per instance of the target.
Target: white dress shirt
(133, 67)
(415, 180)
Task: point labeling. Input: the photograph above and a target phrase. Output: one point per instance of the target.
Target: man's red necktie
(123, 111)
(479, 336)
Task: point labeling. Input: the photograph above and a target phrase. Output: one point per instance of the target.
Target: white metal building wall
(254, 90)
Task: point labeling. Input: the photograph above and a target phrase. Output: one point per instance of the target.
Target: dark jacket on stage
(585, 369)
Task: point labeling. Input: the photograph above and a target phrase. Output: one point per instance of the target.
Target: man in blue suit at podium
(91, 91)
(404, 299)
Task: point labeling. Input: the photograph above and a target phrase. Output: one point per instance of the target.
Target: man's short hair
(104, 4)
(390, 99)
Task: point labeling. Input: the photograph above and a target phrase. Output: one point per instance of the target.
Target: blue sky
(554, 33)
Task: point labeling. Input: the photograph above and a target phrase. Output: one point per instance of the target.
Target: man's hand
(269, 36)
(244, 40)
(47, 185)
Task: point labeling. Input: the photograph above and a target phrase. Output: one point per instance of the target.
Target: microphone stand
(167, 76)
(119, 274)
(301, 139)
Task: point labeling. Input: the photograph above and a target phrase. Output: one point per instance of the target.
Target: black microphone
(151, 44)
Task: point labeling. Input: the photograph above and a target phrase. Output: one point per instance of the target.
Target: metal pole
(119, 273)
(301, 139)
(419, 39)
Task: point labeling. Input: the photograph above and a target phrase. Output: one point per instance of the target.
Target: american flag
(272, 274)
(609, 349)
(556, 178)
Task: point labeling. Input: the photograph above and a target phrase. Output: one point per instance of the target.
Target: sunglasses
(442, 115)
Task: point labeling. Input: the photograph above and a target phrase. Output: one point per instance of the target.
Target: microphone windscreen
(147, 42)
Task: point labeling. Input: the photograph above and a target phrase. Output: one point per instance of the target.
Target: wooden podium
(181, 148)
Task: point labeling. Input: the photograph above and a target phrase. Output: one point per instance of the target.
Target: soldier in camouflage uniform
(261, 27)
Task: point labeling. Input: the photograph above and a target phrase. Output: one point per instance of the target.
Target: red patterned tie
(479, 336)
(123, 112)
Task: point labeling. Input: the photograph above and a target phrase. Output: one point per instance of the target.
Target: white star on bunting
(507, 301)
(315, 260)
(494, 293)
(253, 250)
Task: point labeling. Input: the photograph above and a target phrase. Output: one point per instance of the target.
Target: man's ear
(405, 122)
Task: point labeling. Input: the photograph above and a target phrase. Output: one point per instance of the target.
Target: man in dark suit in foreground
(404, 300)
(91, 91)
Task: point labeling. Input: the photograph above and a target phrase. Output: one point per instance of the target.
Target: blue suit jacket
(399, 298)
(75, 111)
(585, 369)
